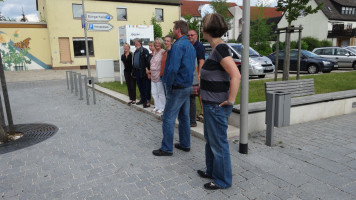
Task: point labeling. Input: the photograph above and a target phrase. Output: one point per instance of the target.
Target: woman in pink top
(156, 83)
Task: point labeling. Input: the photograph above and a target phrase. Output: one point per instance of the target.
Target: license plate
(336, 66)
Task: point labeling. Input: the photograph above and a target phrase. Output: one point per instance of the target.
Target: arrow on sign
(98, 16)
(99, 27)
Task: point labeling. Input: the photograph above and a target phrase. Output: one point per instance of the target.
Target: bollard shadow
(33, 134)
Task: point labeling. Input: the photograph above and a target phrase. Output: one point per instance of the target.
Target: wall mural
(16, 56)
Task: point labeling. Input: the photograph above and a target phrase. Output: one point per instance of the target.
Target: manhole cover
(33, 134)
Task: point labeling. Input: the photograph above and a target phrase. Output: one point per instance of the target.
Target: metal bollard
(75, 83)
(67, 77)
(93, 88)
(80, 86)
(71, 81)
(86, 88)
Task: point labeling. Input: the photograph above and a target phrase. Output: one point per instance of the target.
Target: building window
(79, 47)
(349, 26)
(159, 14)
(347, 11)
(121, 14)
(77, 11)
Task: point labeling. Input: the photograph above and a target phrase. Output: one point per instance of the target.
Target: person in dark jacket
(140, 63)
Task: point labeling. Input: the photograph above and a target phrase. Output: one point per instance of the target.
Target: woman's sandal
(211, 186)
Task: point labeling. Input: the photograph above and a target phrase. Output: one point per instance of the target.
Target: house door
(64, 50)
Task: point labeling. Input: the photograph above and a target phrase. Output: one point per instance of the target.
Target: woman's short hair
(215, 25)
(151, 43)
(169, 36)
(160, 41)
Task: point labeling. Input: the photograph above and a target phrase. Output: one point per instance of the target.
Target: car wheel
(261, 76)
(312, 69)
(354, 65)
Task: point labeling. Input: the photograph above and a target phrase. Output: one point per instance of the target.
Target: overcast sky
(13, 8)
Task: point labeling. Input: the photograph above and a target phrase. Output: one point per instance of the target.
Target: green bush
(281, 46)
(325, 43)
(263, 48)
(312, 43)
(294, 45)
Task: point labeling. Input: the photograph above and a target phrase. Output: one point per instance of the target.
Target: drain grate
(33, 134)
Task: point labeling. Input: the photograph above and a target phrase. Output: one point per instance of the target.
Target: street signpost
(99, 26)
(86, 19)
(98, 16)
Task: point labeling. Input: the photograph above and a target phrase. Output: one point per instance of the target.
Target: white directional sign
(98, 16)
(99, 26)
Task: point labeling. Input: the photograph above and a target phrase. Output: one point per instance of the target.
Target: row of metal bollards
(74, 82)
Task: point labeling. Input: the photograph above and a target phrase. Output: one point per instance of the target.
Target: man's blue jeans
(217, 153)
(177, 105)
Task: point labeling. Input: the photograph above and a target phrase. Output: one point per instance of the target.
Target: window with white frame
(348, 10)
(121, 14)
(159, 14)
(77, 11)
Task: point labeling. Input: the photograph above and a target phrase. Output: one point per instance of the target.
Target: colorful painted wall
(24, 46)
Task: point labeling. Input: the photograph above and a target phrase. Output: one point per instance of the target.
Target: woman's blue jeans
(177, 105)
(217, 153)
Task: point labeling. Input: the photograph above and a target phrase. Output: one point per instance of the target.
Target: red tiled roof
(191, 7)
(269, 12)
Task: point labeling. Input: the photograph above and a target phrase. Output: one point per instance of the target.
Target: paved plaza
(104, 151)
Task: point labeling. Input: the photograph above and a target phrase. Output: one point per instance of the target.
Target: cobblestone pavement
(103, 151)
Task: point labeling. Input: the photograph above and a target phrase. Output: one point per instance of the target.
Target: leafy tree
(157, 28)
(292, 9)
(260, 33)
(221, 7)
(193, 24)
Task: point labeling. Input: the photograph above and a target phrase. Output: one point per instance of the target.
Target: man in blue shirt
(199, 48)
(178, 79)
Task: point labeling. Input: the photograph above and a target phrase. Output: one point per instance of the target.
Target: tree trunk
(286, 56)
(6, 98)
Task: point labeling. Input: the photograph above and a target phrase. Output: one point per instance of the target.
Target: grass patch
(323, 83)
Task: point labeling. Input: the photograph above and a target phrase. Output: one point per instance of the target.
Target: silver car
(258, 65)
(345, 57)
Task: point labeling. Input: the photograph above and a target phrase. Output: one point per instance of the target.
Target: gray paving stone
(103, 151)
(329, 165)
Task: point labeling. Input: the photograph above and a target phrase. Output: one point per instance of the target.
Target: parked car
(309, 62)
(345, 57)
(258, 65)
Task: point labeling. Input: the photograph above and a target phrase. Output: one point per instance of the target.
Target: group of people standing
(172, 73)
